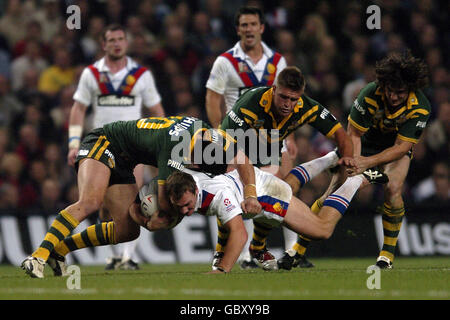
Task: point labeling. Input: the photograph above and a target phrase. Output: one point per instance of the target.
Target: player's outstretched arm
(236, 242)
(76, 120)
(213, 106)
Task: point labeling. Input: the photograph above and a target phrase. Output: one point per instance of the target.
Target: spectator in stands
(438, 133)
(437, 186)
(13, 23)
(50, 18)
(50, 198)
(91, 41)
(60, 74)
(10, 106)
(9, 199)
(177, 48)
(29, 146)
(33, 33)
(31, 59)
(4, 141)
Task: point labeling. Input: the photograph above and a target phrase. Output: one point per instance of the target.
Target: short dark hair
(178, 183)
(400, 70)
(249, 10)
(292, 78)
(112, 27)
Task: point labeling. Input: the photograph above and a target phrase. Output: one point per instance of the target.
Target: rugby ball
(149, 204)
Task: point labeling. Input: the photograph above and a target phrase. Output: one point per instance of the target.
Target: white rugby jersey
(234, 72)
(118, 96)
(222, 196)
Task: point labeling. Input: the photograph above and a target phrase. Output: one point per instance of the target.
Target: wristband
(250, 191)
(74, 142)
(75, 132)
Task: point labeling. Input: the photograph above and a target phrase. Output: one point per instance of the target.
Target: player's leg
(336, 202)
(393, 209)
(301, 245)
(93, 177)
(121, 229)
(126, 251)
(321, 226)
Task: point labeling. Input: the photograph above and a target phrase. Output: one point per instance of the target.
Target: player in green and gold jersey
(387, 118)
(105, 163)
(266, 116)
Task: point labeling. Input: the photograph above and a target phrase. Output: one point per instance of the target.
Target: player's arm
(235, 243)
(398, 150)
(247, 176)
(76, 120)
(345, 147)
(355, 136)
(214, 109)
(246, 173)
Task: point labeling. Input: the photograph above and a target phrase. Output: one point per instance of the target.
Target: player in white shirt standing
(117, 88)
(250, 63)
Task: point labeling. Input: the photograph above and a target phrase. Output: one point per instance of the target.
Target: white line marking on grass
(47, 291)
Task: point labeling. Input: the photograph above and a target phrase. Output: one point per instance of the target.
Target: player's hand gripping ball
(149, 205)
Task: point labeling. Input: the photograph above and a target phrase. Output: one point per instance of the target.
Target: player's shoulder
(308, 102)
(252, 97)
(422, 100)
(371, 90)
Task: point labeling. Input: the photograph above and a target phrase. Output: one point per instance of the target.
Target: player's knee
(91, 204)
(394, 189)
(127, 235)
(327, 233)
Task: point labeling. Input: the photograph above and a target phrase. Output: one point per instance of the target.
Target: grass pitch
(412, 278)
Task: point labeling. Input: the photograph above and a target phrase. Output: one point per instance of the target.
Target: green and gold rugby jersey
(253, 111)
(166, 143)
(382, 126)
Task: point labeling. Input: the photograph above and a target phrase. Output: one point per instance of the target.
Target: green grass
(412, 278)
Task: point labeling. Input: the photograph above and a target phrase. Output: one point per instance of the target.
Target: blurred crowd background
(41, 61)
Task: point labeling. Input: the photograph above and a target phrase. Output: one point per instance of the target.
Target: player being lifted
(115, 88)
(268, 115)
(191, 192)
(248, 64)
(105, 164)
(387, 118)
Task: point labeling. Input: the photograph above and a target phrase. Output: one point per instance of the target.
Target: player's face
(284, 100)
(396, 96)
(186, 204)
(115, 44)
(250, 30)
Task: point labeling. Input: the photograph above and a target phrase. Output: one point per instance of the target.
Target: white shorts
(273, 194)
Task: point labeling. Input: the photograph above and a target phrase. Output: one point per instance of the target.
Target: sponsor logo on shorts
(111, 159)
(228, 205)
(82, 153)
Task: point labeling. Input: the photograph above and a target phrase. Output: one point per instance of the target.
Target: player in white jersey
(250, 63)
(191, 191)
(116, 88)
